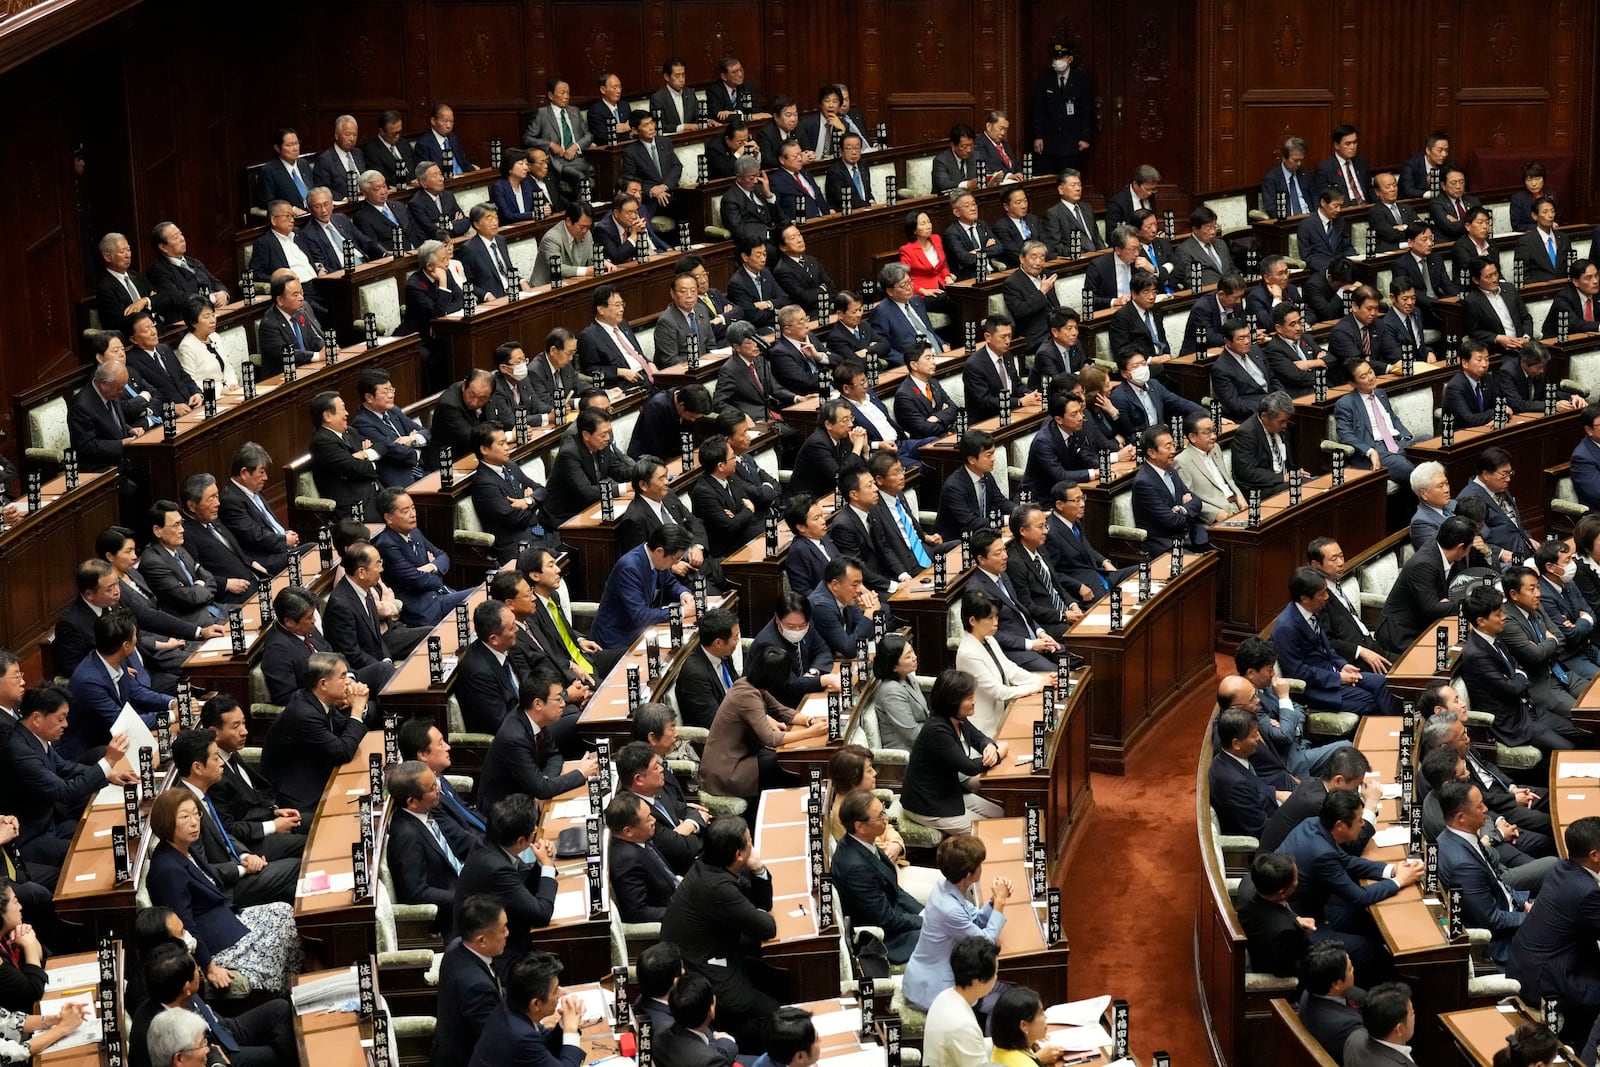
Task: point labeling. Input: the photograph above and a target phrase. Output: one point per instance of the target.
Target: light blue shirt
(948, 918)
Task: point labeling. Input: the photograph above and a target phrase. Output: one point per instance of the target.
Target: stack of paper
(322, 994)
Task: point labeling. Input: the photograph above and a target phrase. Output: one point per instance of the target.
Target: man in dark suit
(1543, 249)
(387, 225)
(525, 755)
(1330, 1006)
(582, 462)
(607, 348)
(608, 115)
(969, 495)
(851, 337)
(753, 289)
(357, 624)
(1212, 311)
(1143, 402)
(432, 202)
(286, 176)
(1367, 422)
(1060, 352)
(954, 168)
(1288, 183)
(745, 381)
(1424, 268)
(344, 466)
(922, 407)
(1016, 226)
(650, 160)
(967, 237)
(1341, 617)
(835, 442)
(328, 234)
(441, 138)
(842, 607)
(730, 518)
(723, 153)
(1081, 570)
(319, 731)
(655, 505)
(847, 174)
(486, 257)
(1025, 640)
(510, 505)
(1356, 336)
(639, 591)
(1030, 294)
(389, 153)
(1263, 454)
(290, 329)
(108, 681)
(642, 884)
(1162, 505)
(1241, 800)
(749, 210)
(1475, 246)
(641, 769)
(796, 193)
(866, 879)
(164, 639)
(1306, 653)
(1345, 768)
(1388, 1025)
(494, 868)
(1534, 639)
(1403, 321)
(1585, 463)
(398, 438)
(1421, 594)
(1498, 686)
(684, 324)
(1203, 247)
(181, 584)
(1137, 326)
(1071, 213)
(1240, 378)
(1323, 238)
(721, 909)
(1277, 939)
(1448, 211)
(1059, 452)
(213, 545)
(515, 1031)
(178, 276)
(809, 657)
(252, 878)
(461, 410)
(487, 688)
(1505, 530)
(1578, 300)
(422, 861)
(1345, 170)
(412, 564)
(469, 989)
(243, 795)
(704, 679)
(1138, 193)
(665, 417)
(811, 549)
(1388, 217)
(1031, 578)
(293, 639)
(120, 291)
(1470, 395)
(799, 275)
(156, 366)
(1554, 954)
(857, 529)
(901, 318)
(992, 371)
(1488, 902)
(337, 164)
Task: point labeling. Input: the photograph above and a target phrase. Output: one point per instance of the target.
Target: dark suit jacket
(891, 324)
(1319, 247)
(1167, 404)
(1076, 561)
(329, 170)
(42, 788)
(244, 805)
(370, 221)
(867, 541)
(817, 464)
(736, 388)
(639, 521)
(1331, 171)
(837, 180)
(599, 356)
(96, 703)
(166, 380)
(395, 172)
(1555, 953)
(480, 267)
(1252, 458)
(425, 213)
(1484, 324)
(712, 504)
(1354, 422)
(713, 917)
(1029, 308)
(174, 286)
(840, 628)
(453, 422)
(398, 464)
(218, 552)
(981, 380)
(1049, 361)
(1497, 689)
(284, 660)
(1032, 590)
(1447, 224)
(636, 595)
(1567, 299)
(641, 882)
(1327, 871)
(1153, 504)
(276, 335)
(958, 504)
(700, 689)
(1330, 1022)
(1018, 625)
(636, 163)
(1460, 401)
(1304, 803)
(96, 429)
(469, 992)
(576, 476)
(421, 592)
(1406, 265)
(869, 890)
(1501, 531)
(1277, 941)
(347, 480)
(919, 415)
(949, 172)
(1481, 880)
(938, 758)
(1233, 387)
(273, 183)
(1059, 223)
(199, 897)
(802, 280)
(518, 761)
(1391, 236)
(111, 298)
(529, 899)
(804, 564)
(811, 654)
(305, 746)
(483, 690)
(314, 242)
(1128, 332)
(491, 497)
(749, 217)
(427, 148)
(744, 294)
(843, 343)
(1416, 599)
(1344, 348)
(679, 1046)
(1008, 232)
(1309, 655)
(960, 251)
(1532, 250)
(422, 873)
(177, 594)
(1273, 183)
(791, 191)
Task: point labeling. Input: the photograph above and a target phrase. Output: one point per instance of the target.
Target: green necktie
(573, 650)
(566, 131)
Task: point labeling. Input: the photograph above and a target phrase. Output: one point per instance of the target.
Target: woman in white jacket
(979, 654)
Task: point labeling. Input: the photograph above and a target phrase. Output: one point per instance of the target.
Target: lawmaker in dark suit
(753, 290)
(1305, 652)
(638, 591)
(1263, 454)
(319, 731)
(1585, 467)
(276, 179)
(1147, 403)
(321, 246)
(1484, 320)
(1162, 505)
(1544, 250)
(1240, 378)
(386, 225)
(390, 153)
(1330, 1007)
(438, 289)
(841, 623)
(413, 565)
(469, 990)
(1577, 300)
(157, 368)
(1420, 594)
(179, 277)
(1323, 237)
(1403, 321)
(848, 173)
(1289, 179)
(1030, 295)
(182, 586)
(954, 167)
(1470, 395)
(289, 327)
(1328, 890)
(510, 505)
(98, 698)
(440, 138)
(867, 881)
(1389, 218)
(749, 212)
(642, 884)
(650, 160)
(1500, 688)
(1345, 170)
(212, 544)
(344, 466)
(858, 530)
(833, 444)
(582, 463)
(1136, 326)
(1059, 452)
(1080, 568)
(745, 380)
(95, 422)
(968, 495)
(922, 407)
(1015, 227)
(45, 791)
(1210, 253)
(524, 757)
(1071, 214)
(432, 202)
(1278, 943)
(1423, 267)
(704, 679)
(983, 378)
(797, 193)
(1555, 954)
(494, 868)
(809, 659)
(967, 237)
(1504, 529)
(1488, 903)
(729, 518)
(902, 319)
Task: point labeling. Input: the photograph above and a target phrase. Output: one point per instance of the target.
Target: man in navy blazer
(424, 865)
(213, 544)
(485, 256)
(1162, 505)
(983, 378)
(1366, 420)
(441, 135)
(901, 318)
(1345, 170)
(1142, 400)
(641, 587)
(1403, 321)
(1288, 177)
(1504, 530)
(155, 365)
(868, 884)
(510, 505)
(324, 236)
(413, 565)
(275, 180)
(469, 990)
(1024, 639)
(811, 549)
(1305, 652)
(969, 495)
(320, 730)
(1241, 800)
(1424, 268)
(398, 438)
(1585, 464)
(495, 868)
(650, 160)
(461, 821)
(106, 681)
(842, 607)
(1323, 238)
(40, 782)
(514, 1033)
(1263, 298)
(1079, 567)
(1059, 452)
(642, 882)
(1555, 954)
(1213, 311)
(797, 193)
(1464, 863)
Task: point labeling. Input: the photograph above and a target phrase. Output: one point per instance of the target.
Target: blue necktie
(1550, 244)
(299, 182)
(444, 846)
(212, 808)
(516, 690)
(387, 214)
(855, 178)
(272, 520)
(917, 550)
(202, 1009)
(460, 809)
(727, 675)
(299, 338)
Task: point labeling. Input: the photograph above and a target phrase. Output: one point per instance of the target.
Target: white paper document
(1077, 1013)
(1394, 835)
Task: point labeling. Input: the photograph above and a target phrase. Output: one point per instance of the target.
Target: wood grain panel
(367, 73)
(480, 46)
(588, 38)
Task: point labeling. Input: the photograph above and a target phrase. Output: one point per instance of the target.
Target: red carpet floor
(1129, 895)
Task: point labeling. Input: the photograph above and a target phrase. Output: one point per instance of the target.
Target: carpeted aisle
(1130, 895)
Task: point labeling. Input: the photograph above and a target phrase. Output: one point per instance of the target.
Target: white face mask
(794, 636)
(1139, 375)
(1570, 571)
(1059, 65)
(519, 371)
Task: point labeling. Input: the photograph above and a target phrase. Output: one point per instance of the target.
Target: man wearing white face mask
(1062, 113)
(1564, 603)
(511, 390)
(808, 654)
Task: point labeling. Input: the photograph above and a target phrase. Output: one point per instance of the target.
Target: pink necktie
(1381, 423)
(628, 349)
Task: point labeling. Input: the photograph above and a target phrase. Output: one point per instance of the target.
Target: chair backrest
(234, 344)
(1122, 507)
(622, 428)
(956, 386)
(878, 174)
(689, 155)
(470, 197)
(467, 516)
(1069, 290)
(524, 256)
(1414, 408)
(1500, 215)
(647, 342)
(382, 299)
(919, 176)
(452, 716)
(1233, 212)
(305, 483)
(716, 210)
(47, 425)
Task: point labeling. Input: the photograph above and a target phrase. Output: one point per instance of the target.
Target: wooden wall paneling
(588, 38)
(476, 62)
(1149, 66)
(365, 76)
(930, 69)
(705, 31)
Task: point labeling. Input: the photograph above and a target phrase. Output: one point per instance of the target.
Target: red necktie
(1461, 212)
(1350, 175)
(1588, 309)
(1004, 156)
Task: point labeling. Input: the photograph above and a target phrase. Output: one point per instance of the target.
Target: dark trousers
(275, 881)
(264, 1034)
